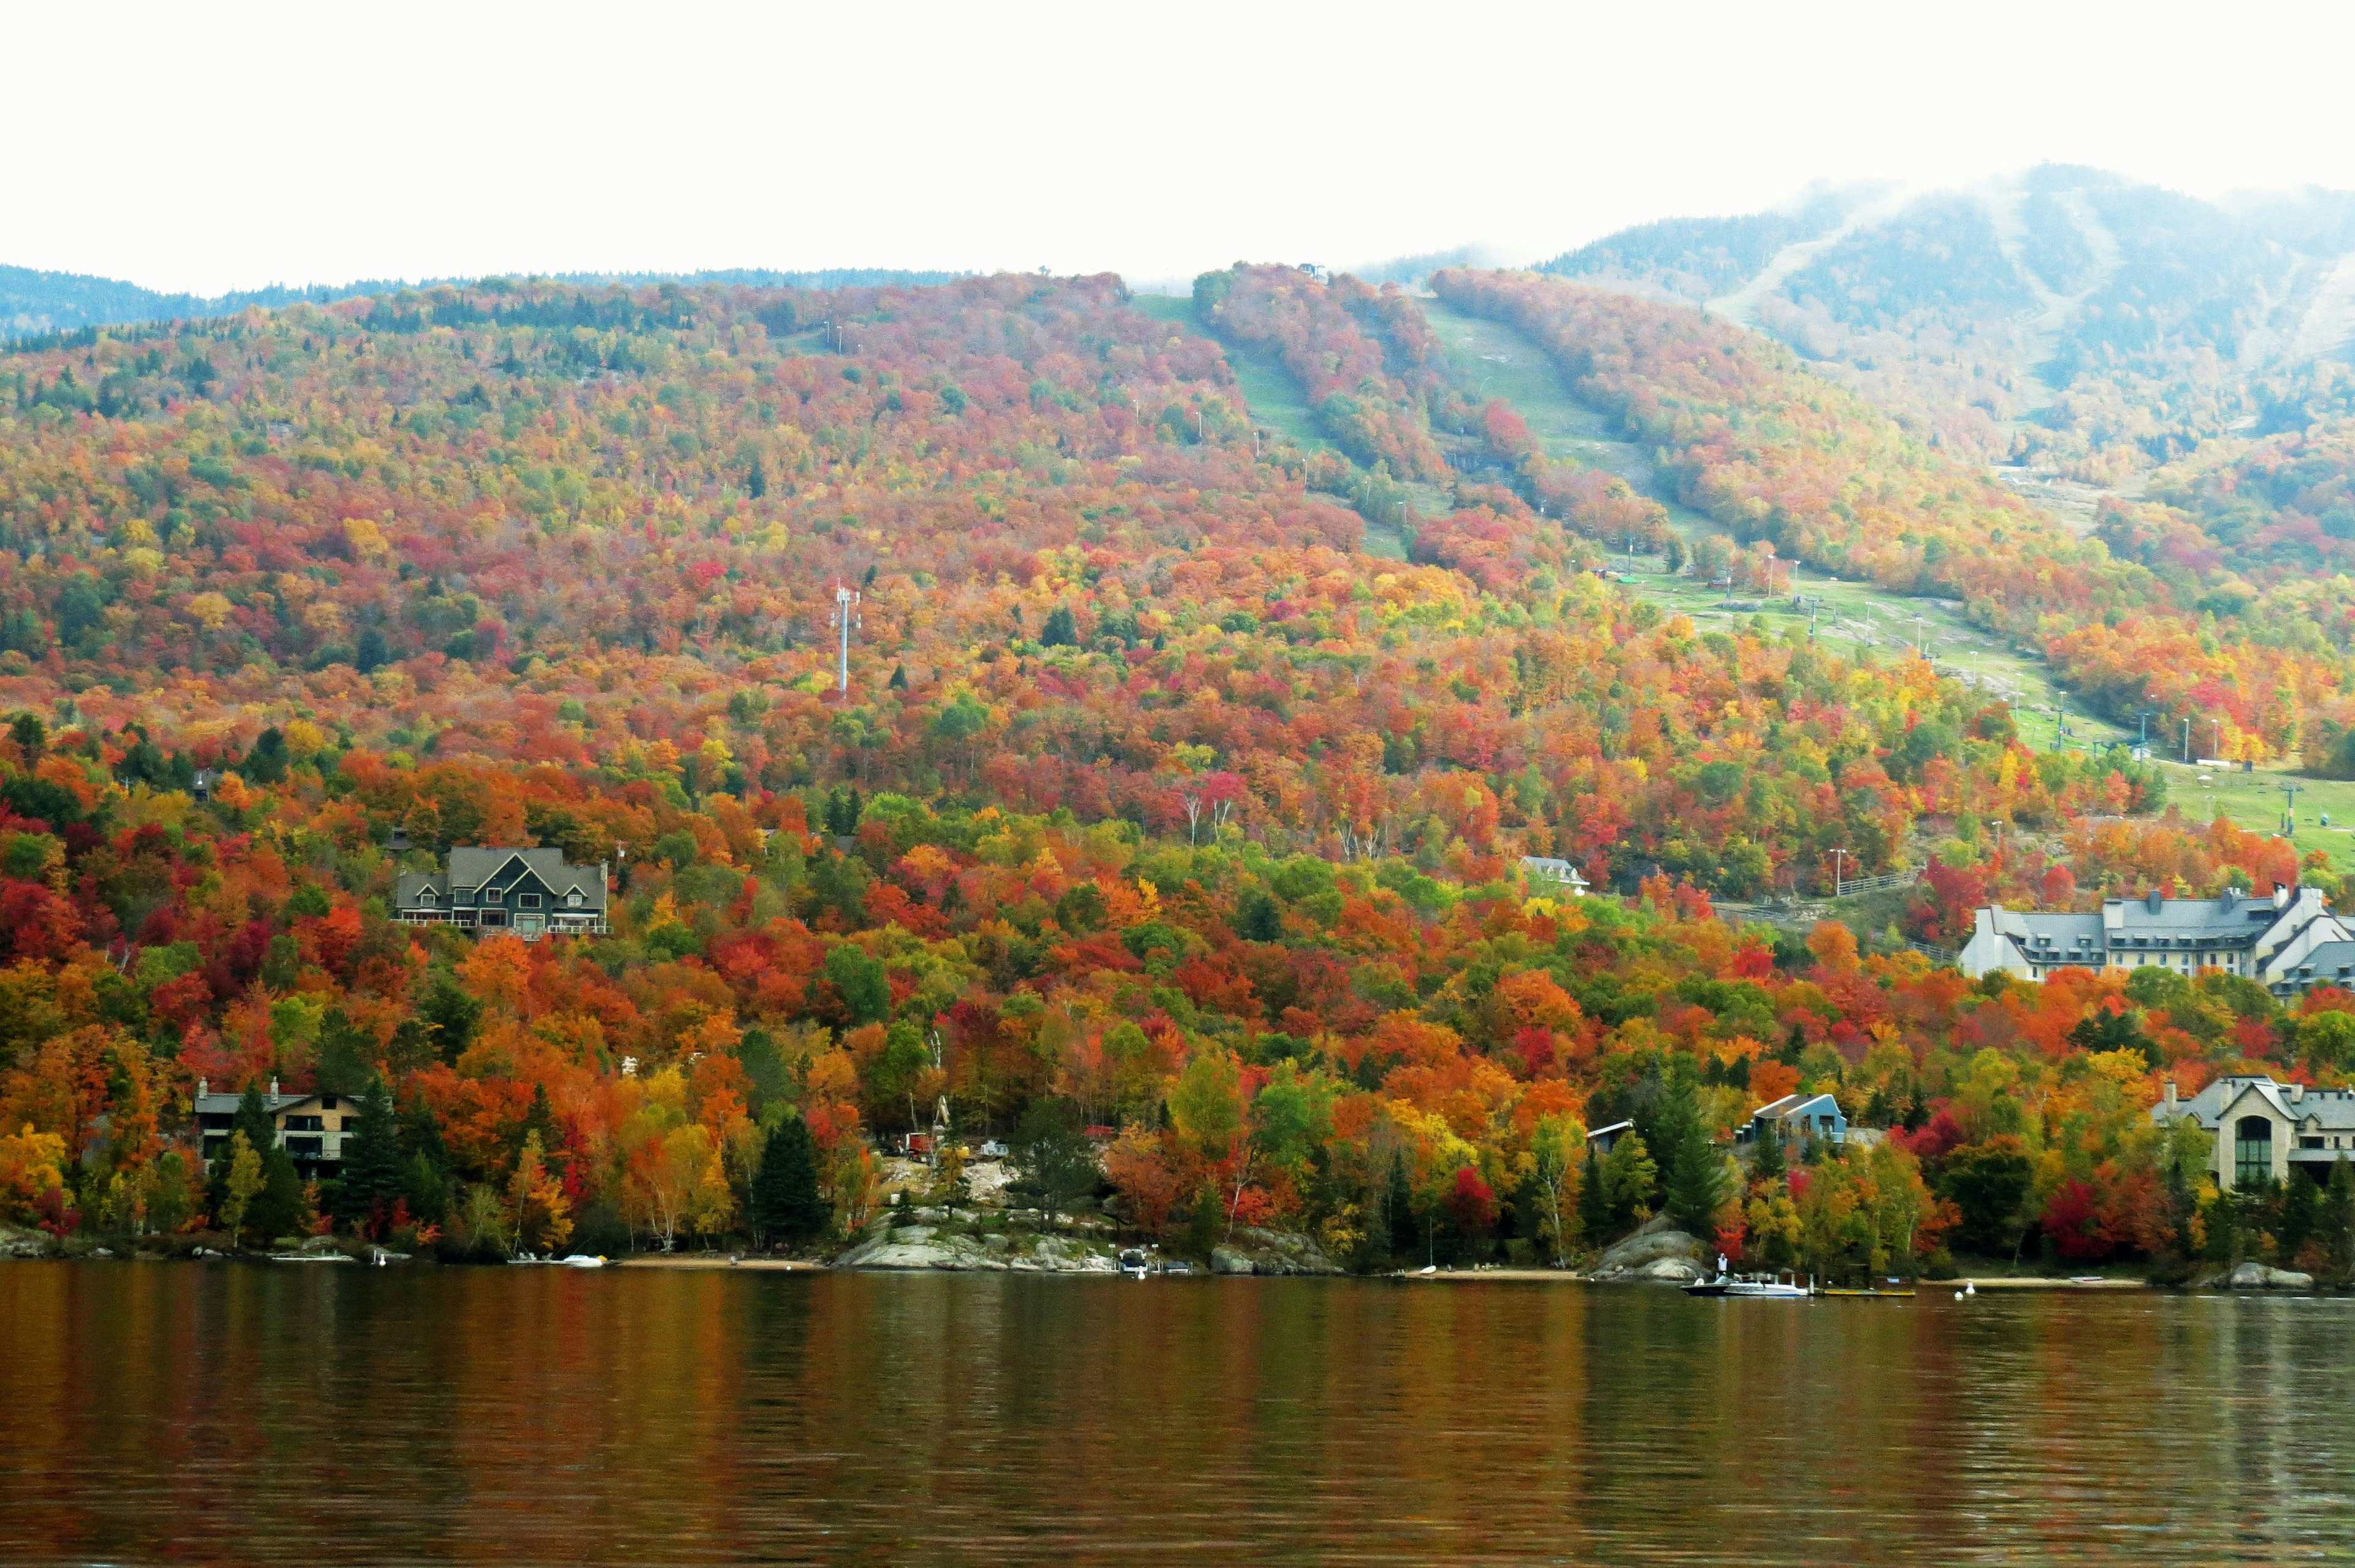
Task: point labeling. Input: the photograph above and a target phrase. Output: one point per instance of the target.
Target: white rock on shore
(1655, 1255)
(927, 1247)
(2257, 1276)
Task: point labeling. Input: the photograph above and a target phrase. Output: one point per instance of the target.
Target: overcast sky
(207, 148)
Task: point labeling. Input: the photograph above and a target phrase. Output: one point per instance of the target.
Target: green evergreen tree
(450, 1017)
(1398, 1203)
(252, 1118)
(372, 1177)
(1766, 1163)
(786, 1205)
(1061, 630)
(2337, 1222)
(1593, 1201)
(425, 1164)
(278, 1208)
(345, 1061)
(2301, 1206)
(540, 1119)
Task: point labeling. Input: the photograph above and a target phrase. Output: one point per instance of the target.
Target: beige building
(310, 1127)
(2266, 1131)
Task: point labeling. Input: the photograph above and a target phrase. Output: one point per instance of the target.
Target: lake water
(247, 1413)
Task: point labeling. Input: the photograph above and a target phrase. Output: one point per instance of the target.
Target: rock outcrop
(929, 1247)
(16, 1243)
(2257, 1276)
(1658, 1254)
(1251, 1251)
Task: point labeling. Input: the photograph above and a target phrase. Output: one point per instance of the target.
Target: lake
(306, 1414)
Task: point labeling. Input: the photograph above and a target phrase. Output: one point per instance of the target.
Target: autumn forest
(1174, 795)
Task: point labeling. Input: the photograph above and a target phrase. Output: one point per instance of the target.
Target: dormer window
(573, 899)
(426, 896)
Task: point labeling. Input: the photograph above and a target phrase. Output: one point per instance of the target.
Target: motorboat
(1134, 1262)
(1778, 1288)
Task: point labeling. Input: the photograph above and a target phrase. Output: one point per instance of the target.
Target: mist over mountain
(2063, 317)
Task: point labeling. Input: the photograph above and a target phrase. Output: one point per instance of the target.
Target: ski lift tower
(846, 621)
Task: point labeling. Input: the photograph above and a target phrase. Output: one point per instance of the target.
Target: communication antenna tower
(844, 622)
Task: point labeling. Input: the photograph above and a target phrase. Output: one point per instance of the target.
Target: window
(573, 900)
(326, 1101)
(2252, 1151)
(425, 895)
(306, 1124)
(526, 901)
(493, 895)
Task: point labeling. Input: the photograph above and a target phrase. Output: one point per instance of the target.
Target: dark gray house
(530, 893)
(310, 1127)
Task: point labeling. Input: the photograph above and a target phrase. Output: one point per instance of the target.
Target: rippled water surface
(313, 1416)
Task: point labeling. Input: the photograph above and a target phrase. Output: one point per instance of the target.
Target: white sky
(207, 148)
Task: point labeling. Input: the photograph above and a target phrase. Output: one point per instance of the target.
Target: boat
(580, 1260)
(1747, 1286)
(1134, 1264)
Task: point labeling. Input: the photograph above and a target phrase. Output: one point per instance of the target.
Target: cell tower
(844, 622)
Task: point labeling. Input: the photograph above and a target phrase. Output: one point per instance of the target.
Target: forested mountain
(1178, 781)
(36, 302)
(2065, 317)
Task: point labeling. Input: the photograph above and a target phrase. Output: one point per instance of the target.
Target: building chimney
(2154, 900)
(2298, 1094)
(2170, 1093)
(273, 1088)
(203, 1087)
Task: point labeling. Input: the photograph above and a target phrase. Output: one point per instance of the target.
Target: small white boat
(1134, 1262)
(582, 1260)
(1730, 1284)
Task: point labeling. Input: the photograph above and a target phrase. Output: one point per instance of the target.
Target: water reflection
(233, 1414)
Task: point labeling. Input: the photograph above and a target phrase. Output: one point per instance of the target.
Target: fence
(1843, 886)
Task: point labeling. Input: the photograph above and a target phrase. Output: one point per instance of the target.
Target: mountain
(2064, 318)
(33, 304)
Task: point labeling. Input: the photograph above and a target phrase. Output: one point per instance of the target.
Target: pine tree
(1398, 1198)
(372, 1177)
(1593, 1201)
(1061, 631)
(1766, 1162)
(278, 1208)
(2337, 1223)
(786, 1205)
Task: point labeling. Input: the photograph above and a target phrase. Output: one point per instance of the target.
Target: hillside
(2064, 318)
(1151, 796)
(34, 303)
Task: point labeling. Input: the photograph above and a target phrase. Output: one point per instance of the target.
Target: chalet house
(1798, 1118)
(2275, 941)
(530, 892)
(1549, 872)
(1602, 1140)
(310, 1127)
(2264, 1130)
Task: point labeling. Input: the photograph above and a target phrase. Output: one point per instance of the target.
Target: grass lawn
(2255, 801)
(1491, 359)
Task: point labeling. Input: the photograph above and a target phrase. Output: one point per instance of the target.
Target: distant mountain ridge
(2064, 316)
(35, 303)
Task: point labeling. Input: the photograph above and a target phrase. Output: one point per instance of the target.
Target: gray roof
(2328, 961)
(2313, 1110)
(1795, 1105)
(471, 865)
(222, 1104)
